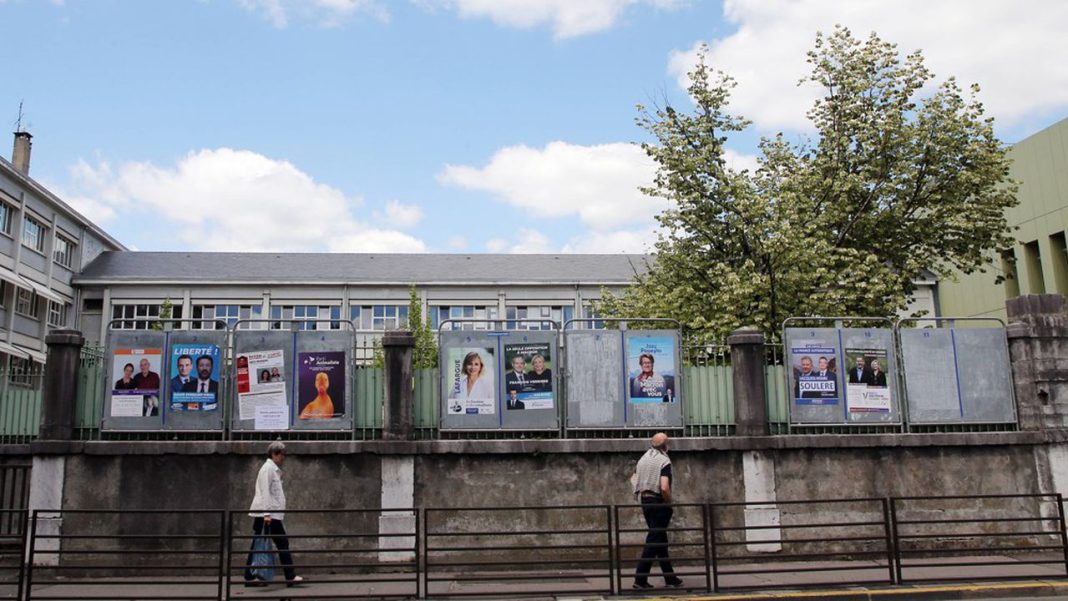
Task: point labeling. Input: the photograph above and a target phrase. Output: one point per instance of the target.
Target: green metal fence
(20, 404)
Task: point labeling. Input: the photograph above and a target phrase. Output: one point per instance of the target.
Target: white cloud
(526, 241)
(1015, 53)
(225, 199)
(327, 13)
(400, 215)
(620, 241)
(569, 18)
(458, 243)
(599, 184)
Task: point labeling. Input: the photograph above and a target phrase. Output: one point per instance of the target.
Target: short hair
(646, 356)
(180, 357)
(130, 365)
(275, 448)
(208, 357)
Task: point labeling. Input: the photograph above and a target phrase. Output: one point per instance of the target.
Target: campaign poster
(136, 390)
(260, 382)
(195, 385)
(867, 381)
(321, 380)
(471, 382)
(651, 369)
(815, 372)
(528, 383)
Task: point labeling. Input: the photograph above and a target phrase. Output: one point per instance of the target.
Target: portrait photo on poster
(814, 369)
(470, 381)
(195, 385)
(528, 383)
(868, 383)
(651, 369)
(321, 378)
(136, 389)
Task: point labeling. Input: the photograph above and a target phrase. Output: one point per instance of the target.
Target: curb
(1030, 588)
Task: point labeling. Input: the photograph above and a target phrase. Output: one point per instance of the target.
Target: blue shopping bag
(262, 559)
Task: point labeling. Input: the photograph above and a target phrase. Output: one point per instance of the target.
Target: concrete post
(60, 387)
(747, 363)
(398, 413)
(1038, 351)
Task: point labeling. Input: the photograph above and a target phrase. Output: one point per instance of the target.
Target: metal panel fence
(20, 403)
(546, 550)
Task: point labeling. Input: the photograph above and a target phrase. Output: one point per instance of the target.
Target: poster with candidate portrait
(470, 380)
(868, 385)
(528, 381)
(136, 389)
(815, 372)
(321, 384)
(261, 382)
(195, 381)
(651, 369)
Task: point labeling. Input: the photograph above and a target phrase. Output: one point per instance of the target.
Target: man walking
(653, 487)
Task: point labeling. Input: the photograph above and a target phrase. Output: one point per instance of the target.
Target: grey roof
(337, 268)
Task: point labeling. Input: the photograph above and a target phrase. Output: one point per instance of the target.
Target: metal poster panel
(816, 390)
(984, 375)
(871, 384)
(595, 391)
(135, 382)
(653, 380)
(469, 368)
(263, 380)
(928, 363)
(196, 388)
(530, 391)
(323, 387)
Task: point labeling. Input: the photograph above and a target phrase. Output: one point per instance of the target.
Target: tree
(426, 345)
(892, 183)
(166, 311)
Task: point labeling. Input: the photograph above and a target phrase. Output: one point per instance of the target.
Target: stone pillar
(747, 364)
(1038, 350)
(60, 386)
(398, 413)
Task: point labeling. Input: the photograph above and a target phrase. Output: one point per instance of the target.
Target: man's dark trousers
(277, 532)
(657, 517)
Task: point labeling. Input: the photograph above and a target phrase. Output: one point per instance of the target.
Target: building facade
(43, 244)
(1038, 262)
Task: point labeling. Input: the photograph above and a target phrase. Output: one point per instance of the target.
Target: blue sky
(436, 125)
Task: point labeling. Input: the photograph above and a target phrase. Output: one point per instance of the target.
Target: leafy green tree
(166, 311)
(426, 344)
(901, 175)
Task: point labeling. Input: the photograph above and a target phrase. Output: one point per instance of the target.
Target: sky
(466, 126)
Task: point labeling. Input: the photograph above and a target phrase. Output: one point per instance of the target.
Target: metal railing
(548, 550)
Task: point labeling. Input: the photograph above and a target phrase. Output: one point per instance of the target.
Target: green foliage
(901, 176)
(166, 311)
(426, 344)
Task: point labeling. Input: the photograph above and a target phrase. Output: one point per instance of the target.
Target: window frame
(41, 237)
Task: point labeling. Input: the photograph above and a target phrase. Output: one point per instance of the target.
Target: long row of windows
(27, 304)
(35, 236)
(363, 317)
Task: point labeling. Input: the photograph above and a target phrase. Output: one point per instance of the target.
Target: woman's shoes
(296, 582)
(256, 582)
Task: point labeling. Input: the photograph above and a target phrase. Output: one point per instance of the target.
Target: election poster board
(653, 382)
(469, 372)
(870, 376)
(595, 376)
(816, 392)
(323, 387)
(529, 386)
(136, 380)
(262, 405)
(196, 382)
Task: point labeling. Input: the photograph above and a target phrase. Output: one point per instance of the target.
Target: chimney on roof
(20, 156)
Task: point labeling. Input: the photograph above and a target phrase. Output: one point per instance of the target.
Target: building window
(33, 234)
(379, 317)
(3, 294)
(63, 253)
(439, 314)
(5, 218)
(230, 314)
(90, 305)
(538, 316)
(57, 314)
(588, 312)
(139, 316)
(23, 373)
(26, 302)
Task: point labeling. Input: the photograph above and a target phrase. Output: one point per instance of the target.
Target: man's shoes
(256, 582)
(298, 581)
(673, 582)
(641, 585)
